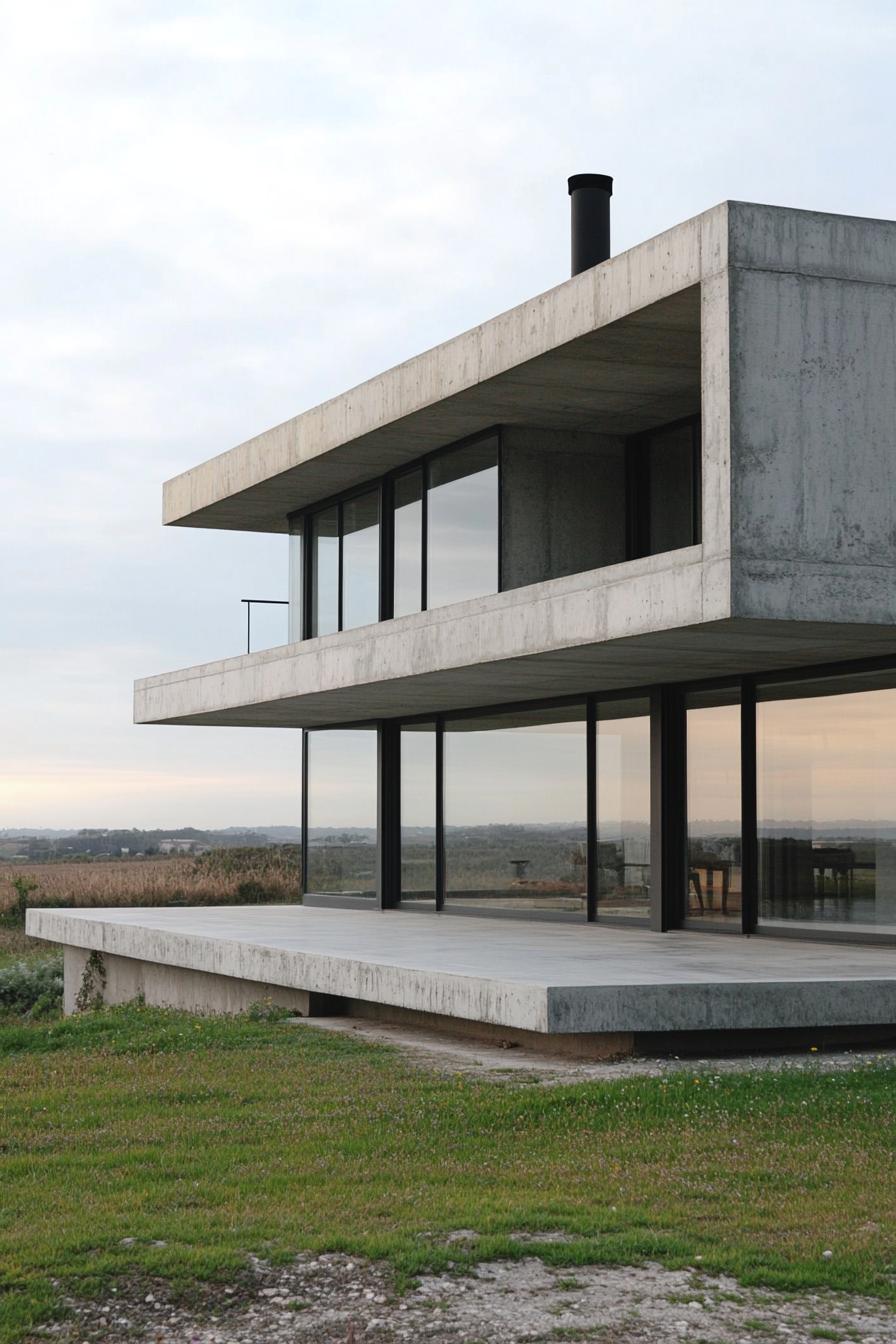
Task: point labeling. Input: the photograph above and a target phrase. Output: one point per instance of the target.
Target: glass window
(342, 811)
(713, 800)
(325, 571)
(462, 524)
(408, 592)
(418, 814)
(296, 577)
(623, 808)
(826, 800)
(361, 560)
(515, 808)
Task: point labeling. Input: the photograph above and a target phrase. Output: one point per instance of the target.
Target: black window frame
(384, 485)
(668, 805)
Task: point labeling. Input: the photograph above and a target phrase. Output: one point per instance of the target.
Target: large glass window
(296, 580)
(361, 560)
(714, 889)
(622, 790)
(462, 524)
(325, 571)
(408, 524)
(418, 814)
(826, 775)
(342, 811)
(515, 808)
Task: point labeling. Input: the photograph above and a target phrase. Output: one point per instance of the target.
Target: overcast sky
(216, 215)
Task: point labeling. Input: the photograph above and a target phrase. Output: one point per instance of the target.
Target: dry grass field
(222, 877)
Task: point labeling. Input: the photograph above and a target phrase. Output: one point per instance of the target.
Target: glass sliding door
(826, 777)
(361, 560)
(341, 808)
(462, 524)
(515, 811)
(622, 800)
(714, 889)
(418, 815)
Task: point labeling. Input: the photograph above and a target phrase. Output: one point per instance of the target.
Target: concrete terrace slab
(511, 973)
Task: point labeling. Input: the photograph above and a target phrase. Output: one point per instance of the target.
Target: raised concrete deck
(539, 977)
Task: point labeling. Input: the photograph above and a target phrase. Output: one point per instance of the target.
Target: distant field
(223, 877)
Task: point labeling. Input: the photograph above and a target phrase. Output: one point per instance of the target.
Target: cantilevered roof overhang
(615, 349)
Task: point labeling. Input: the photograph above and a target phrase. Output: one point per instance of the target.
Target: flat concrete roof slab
(536, 976)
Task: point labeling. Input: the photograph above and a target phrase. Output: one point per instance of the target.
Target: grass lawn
(219, 1137)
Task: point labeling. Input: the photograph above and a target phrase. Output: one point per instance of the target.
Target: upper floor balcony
(677, 463)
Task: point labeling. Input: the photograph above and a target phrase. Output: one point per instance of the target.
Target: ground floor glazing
(739, 805)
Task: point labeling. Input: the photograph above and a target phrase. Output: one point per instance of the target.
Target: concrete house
(592, 643)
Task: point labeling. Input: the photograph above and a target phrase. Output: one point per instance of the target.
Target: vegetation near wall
(221, 877)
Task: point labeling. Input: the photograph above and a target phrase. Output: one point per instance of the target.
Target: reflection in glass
(515, 806)
(325, 572)
(418, 813)
(342, 811)
(296, 577)
(826, 767)
(462, 524)
(713, 801)
(361, 560)
(623, 809)
(408, 543)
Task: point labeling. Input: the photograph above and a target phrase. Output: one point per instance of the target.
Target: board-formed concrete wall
(562, 503)
(813, 416)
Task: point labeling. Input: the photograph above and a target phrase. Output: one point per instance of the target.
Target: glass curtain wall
(622, 801)
(515, 810)
(418, 814)
(714, 889)
(826, 778)
(341, 809)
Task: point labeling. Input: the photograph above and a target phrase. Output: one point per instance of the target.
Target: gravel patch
(338, 1299)
(445, 1052)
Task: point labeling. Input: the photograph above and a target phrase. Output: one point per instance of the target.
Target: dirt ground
(334, 1299)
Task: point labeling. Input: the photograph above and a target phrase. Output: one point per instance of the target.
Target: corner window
(826, 804)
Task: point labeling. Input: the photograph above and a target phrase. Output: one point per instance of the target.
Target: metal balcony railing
(249, 602)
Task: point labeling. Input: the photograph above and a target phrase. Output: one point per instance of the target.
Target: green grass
(15, 946)
(221, 1137)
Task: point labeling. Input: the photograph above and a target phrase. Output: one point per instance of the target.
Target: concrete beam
(622, 342)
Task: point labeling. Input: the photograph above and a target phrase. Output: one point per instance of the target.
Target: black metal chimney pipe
(590, 204)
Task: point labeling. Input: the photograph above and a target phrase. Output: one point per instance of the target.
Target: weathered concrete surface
(533, 976)
(615, 349)
(129, 978)
(796, 375)
(662, 618)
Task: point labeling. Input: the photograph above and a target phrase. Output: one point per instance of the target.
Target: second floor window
(431, 533)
